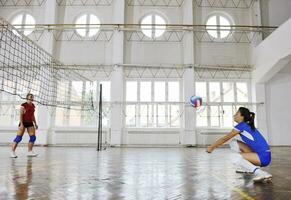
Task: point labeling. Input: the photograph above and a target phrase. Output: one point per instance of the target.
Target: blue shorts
(265, 158)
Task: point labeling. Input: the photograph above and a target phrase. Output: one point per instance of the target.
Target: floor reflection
(138, 173)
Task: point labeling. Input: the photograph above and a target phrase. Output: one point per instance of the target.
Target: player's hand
(209, 149)
(36, 126)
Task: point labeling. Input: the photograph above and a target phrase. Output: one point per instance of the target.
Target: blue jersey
(253, 138)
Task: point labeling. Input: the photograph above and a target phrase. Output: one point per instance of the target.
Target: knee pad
(18, 139)
(234, 146)
(32, 138)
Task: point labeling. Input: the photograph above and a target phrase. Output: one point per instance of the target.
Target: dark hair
(249, 117)
(29, 94)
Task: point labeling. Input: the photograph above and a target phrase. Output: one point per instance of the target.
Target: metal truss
(244, 4)
(133, 33)
(69, 35)
(160, 3)
(11, 3)
(84, 2)
(222, 71)
(90, 71)
(177, 71)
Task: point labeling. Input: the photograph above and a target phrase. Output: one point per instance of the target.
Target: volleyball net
(27, 68)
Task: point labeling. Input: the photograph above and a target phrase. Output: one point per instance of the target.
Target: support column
(45, 120)
(259, 95)
(117, 75)
(188, 136)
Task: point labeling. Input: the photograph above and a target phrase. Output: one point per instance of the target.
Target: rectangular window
(76, 91)
(131, 91)
(201, 90)
(130, 115)
(228, 91)
(173, 91)
(242, 92)
(224, 103)
(174, 115)
(160, 91)
(214, 92)
(105, 90)
(154, 103)
(201, 117)
(145, 91)
(214, 116)
(227, 116)
(75, 116)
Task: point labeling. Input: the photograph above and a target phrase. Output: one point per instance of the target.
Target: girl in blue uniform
(253, 150)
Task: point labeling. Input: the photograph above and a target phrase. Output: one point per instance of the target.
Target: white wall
(119, 50)
(279, 107)
(153, 52)
(275, 12)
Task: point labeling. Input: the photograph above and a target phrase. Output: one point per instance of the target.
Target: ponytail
(252, 120)
(249, 117)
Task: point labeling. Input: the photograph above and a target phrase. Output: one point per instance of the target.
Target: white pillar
(45, 120)
(117, 75)
(259, 96)
(188, 136)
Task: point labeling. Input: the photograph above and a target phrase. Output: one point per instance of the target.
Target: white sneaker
(262, 176)
(31, 154)
(241, 170)
(12, 154)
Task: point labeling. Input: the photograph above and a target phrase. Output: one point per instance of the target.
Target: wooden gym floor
(137, 173)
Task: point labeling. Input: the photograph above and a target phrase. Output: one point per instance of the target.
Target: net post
(99, 142)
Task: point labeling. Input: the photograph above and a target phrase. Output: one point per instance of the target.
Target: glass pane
(130, 116)
(59, 117)
(76, 91)
(224, 31)
(175, 116)
(147, 29)
(81, 29)
(105, 90)
(131, 91)
(201, 116)
(29, 20)
(160, 91)
(201, 91)
(214, 116)
(143, 115)
(95, 27)
(17, 21)
(75, 116)
(228, 91)
(211, 26)
(159, 30)
(173, 91)
(161, 115)
(90, 91)
(6, 114)
(8, 86)
(145, 91)
(105, 115)
(214, 92)
(242, 92)
(227, 116)
(62, 92)
(89, 118)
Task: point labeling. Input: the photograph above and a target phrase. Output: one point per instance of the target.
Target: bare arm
(222, 140)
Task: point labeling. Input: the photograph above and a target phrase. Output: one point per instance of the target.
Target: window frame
(220, 105)
(217, 27)
(154, 105)
(153, 24)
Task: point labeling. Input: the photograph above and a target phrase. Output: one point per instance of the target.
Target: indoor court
(145, 99)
